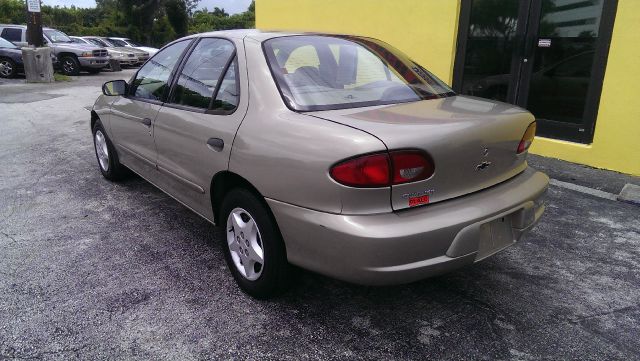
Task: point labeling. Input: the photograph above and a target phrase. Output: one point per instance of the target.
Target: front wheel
(8, 68)
(69, 65)
(106, 155)
(254, 249)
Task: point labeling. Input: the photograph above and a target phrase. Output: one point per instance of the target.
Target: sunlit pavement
(91, 269)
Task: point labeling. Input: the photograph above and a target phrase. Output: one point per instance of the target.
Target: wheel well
(61, 55)
(222, 183)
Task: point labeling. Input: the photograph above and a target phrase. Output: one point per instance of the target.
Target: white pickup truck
(72, 57)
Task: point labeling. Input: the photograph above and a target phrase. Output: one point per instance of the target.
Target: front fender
(102, 109)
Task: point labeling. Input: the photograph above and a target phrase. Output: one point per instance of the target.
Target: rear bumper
(93, 62)
(409, 245)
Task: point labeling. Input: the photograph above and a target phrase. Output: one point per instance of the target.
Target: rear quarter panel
(287, 155)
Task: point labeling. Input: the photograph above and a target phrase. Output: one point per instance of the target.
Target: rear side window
(12, 34)
(151, 82)
(202, 72)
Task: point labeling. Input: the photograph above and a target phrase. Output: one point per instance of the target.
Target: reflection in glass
(490, 44)
(201, 72)
(151, 80)
(562, 70)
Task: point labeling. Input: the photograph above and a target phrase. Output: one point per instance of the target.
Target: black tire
(275, 271)
(69, 65)
(9, 70)
(114, 170)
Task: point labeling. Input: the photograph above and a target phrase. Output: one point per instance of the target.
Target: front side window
(12, 34)
(151, 82)
(317, 72)
(202, 71)
(56, 36)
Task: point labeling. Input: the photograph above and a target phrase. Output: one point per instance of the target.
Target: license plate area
(495, 236)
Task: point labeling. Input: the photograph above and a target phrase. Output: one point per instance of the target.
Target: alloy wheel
(5, 68)
(102, 151)
(245, 244)
(68, 66)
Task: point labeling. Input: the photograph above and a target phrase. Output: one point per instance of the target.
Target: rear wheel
(106, 155)
(8, 68)
(69, 65)
(254, 249)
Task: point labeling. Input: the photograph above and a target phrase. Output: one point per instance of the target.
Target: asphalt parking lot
(95, 270)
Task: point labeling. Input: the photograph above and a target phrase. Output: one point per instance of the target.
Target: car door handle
(146, 121)
(215, 144)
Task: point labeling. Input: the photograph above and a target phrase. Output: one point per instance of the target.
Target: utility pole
(36, 57)
(34, 23)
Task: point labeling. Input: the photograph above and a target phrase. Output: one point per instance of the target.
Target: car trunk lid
(472, 142)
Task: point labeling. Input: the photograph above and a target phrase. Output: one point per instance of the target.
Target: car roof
(13, 26)
(256, 34)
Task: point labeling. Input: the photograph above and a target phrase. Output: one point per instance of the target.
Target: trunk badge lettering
(419, 194)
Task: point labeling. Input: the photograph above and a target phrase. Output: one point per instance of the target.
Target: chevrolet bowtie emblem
(482, 166)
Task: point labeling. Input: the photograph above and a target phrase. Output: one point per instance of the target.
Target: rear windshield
(318, 72)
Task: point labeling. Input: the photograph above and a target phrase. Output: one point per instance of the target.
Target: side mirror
(115, 87)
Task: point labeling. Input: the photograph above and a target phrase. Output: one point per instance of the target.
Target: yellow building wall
(616, 144)
(424, 29)
(427, 30)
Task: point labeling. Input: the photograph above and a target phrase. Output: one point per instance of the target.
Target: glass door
(492, 48)
(545, 55)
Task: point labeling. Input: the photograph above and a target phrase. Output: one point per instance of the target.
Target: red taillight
(366, 171)
(527, 138)
(383, 169)
(411, 166)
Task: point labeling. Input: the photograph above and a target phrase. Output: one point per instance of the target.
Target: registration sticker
(416, 201)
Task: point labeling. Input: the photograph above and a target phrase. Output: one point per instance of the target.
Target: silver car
(338, 154)
(139, 56)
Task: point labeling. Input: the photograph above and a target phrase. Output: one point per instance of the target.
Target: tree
(178, 16)
(219, 12)
(153, 22)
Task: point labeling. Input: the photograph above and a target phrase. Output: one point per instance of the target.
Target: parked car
(10, 59)
(141, 56)
(132, 44)
(338, 154)
(11, 63)
(72, 57)
(124, 57)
